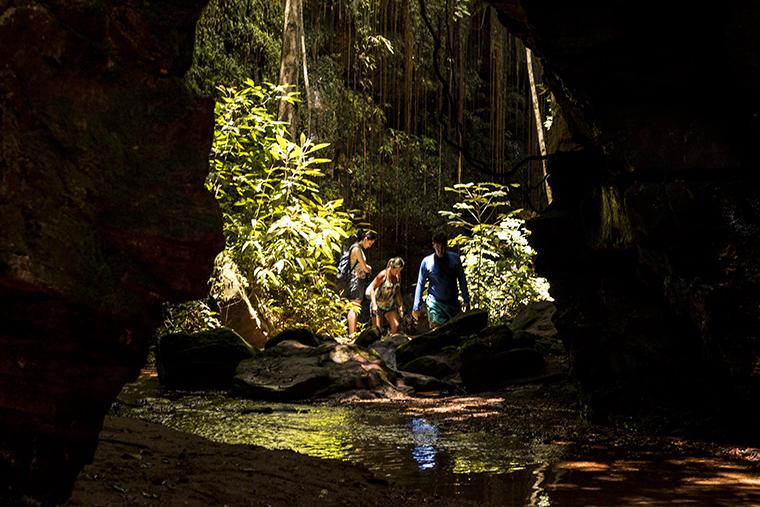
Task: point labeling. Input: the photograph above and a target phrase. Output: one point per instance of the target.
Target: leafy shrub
(189, 317)
(496, 256)
(281, 235)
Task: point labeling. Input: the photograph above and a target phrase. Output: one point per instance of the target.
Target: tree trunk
(408, 65)
(289, 63)
(539, 124)
(461, 93)
(307, 89)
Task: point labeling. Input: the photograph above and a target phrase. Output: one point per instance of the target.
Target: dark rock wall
(103, 214)
(652, 243)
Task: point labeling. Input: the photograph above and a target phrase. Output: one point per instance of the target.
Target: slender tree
(539, 122)
(307, 88)
(408, 66)
(289, 62)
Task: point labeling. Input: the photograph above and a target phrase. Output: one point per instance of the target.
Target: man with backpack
(353, 267)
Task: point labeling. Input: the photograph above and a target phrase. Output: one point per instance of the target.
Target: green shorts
(440, 312)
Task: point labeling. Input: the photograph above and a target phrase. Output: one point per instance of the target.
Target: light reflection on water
(380, 441)
(408, 449)
(425, 436)
(417, 450)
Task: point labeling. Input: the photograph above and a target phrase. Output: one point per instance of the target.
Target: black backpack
(343, 265)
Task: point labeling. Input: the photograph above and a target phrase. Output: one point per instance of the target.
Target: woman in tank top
(385, 297)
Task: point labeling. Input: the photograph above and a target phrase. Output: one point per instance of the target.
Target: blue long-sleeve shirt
(443, 286)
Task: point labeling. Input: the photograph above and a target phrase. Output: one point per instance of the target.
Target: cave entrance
(419, 137)
(103, 153)
(430, 119)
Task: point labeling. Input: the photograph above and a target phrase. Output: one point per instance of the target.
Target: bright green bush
(282, 237)
(497, 259)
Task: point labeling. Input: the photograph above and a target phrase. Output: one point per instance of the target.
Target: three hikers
(442, 271)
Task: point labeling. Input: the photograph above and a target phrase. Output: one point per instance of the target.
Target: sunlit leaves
(496, 256)
(461, 9)
(280, 233)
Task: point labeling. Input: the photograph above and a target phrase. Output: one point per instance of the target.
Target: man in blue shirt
(443, 269)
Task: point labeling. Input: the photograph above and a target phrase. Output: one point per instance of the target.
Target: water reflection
(539, 497)
(425, 436)
(435, 453)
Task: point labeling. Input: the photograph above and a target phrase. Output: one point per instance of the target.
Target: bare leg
(392, 318)
(353, 316)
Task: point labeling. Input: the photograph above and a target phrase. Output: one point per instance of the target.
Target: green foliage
(357, 57)
(462, 9)
(281, 235)
(497, 258)
(370, 47)
(411, 176)
(190, 317)
(234, 40)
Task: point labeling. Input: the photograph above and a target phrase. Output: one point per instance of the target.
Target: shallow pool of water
(407, 449)
(423, 450)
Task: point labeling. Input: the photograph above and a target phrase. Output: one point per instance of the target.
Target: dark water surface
(424, 449)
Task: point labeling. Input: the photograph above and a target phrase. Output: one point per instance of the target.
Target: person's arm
(399, 302)
(377, 282)
(358, 256)
(421, 280)
(463, 284)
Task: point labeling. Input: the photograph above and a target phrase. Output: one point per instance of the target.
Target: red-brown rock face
(652, 244)
(103, 214)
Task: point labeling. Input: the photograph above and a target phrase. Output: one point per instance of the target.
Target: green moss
(236, 40)
(614, 226)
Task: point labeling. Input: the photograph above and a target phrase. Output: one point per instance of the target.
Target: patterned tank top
(384, 294)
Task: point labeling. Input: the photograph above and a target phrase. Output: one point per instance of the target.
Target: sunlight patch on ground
(584, 466)
(628, 466)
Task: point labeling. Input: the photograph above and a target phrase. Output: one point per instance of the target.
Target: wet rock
(386, 349)
(201, 360)
(301, 335)
(294, 371)
(439, 366)
(368, 336)
(451, 333)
